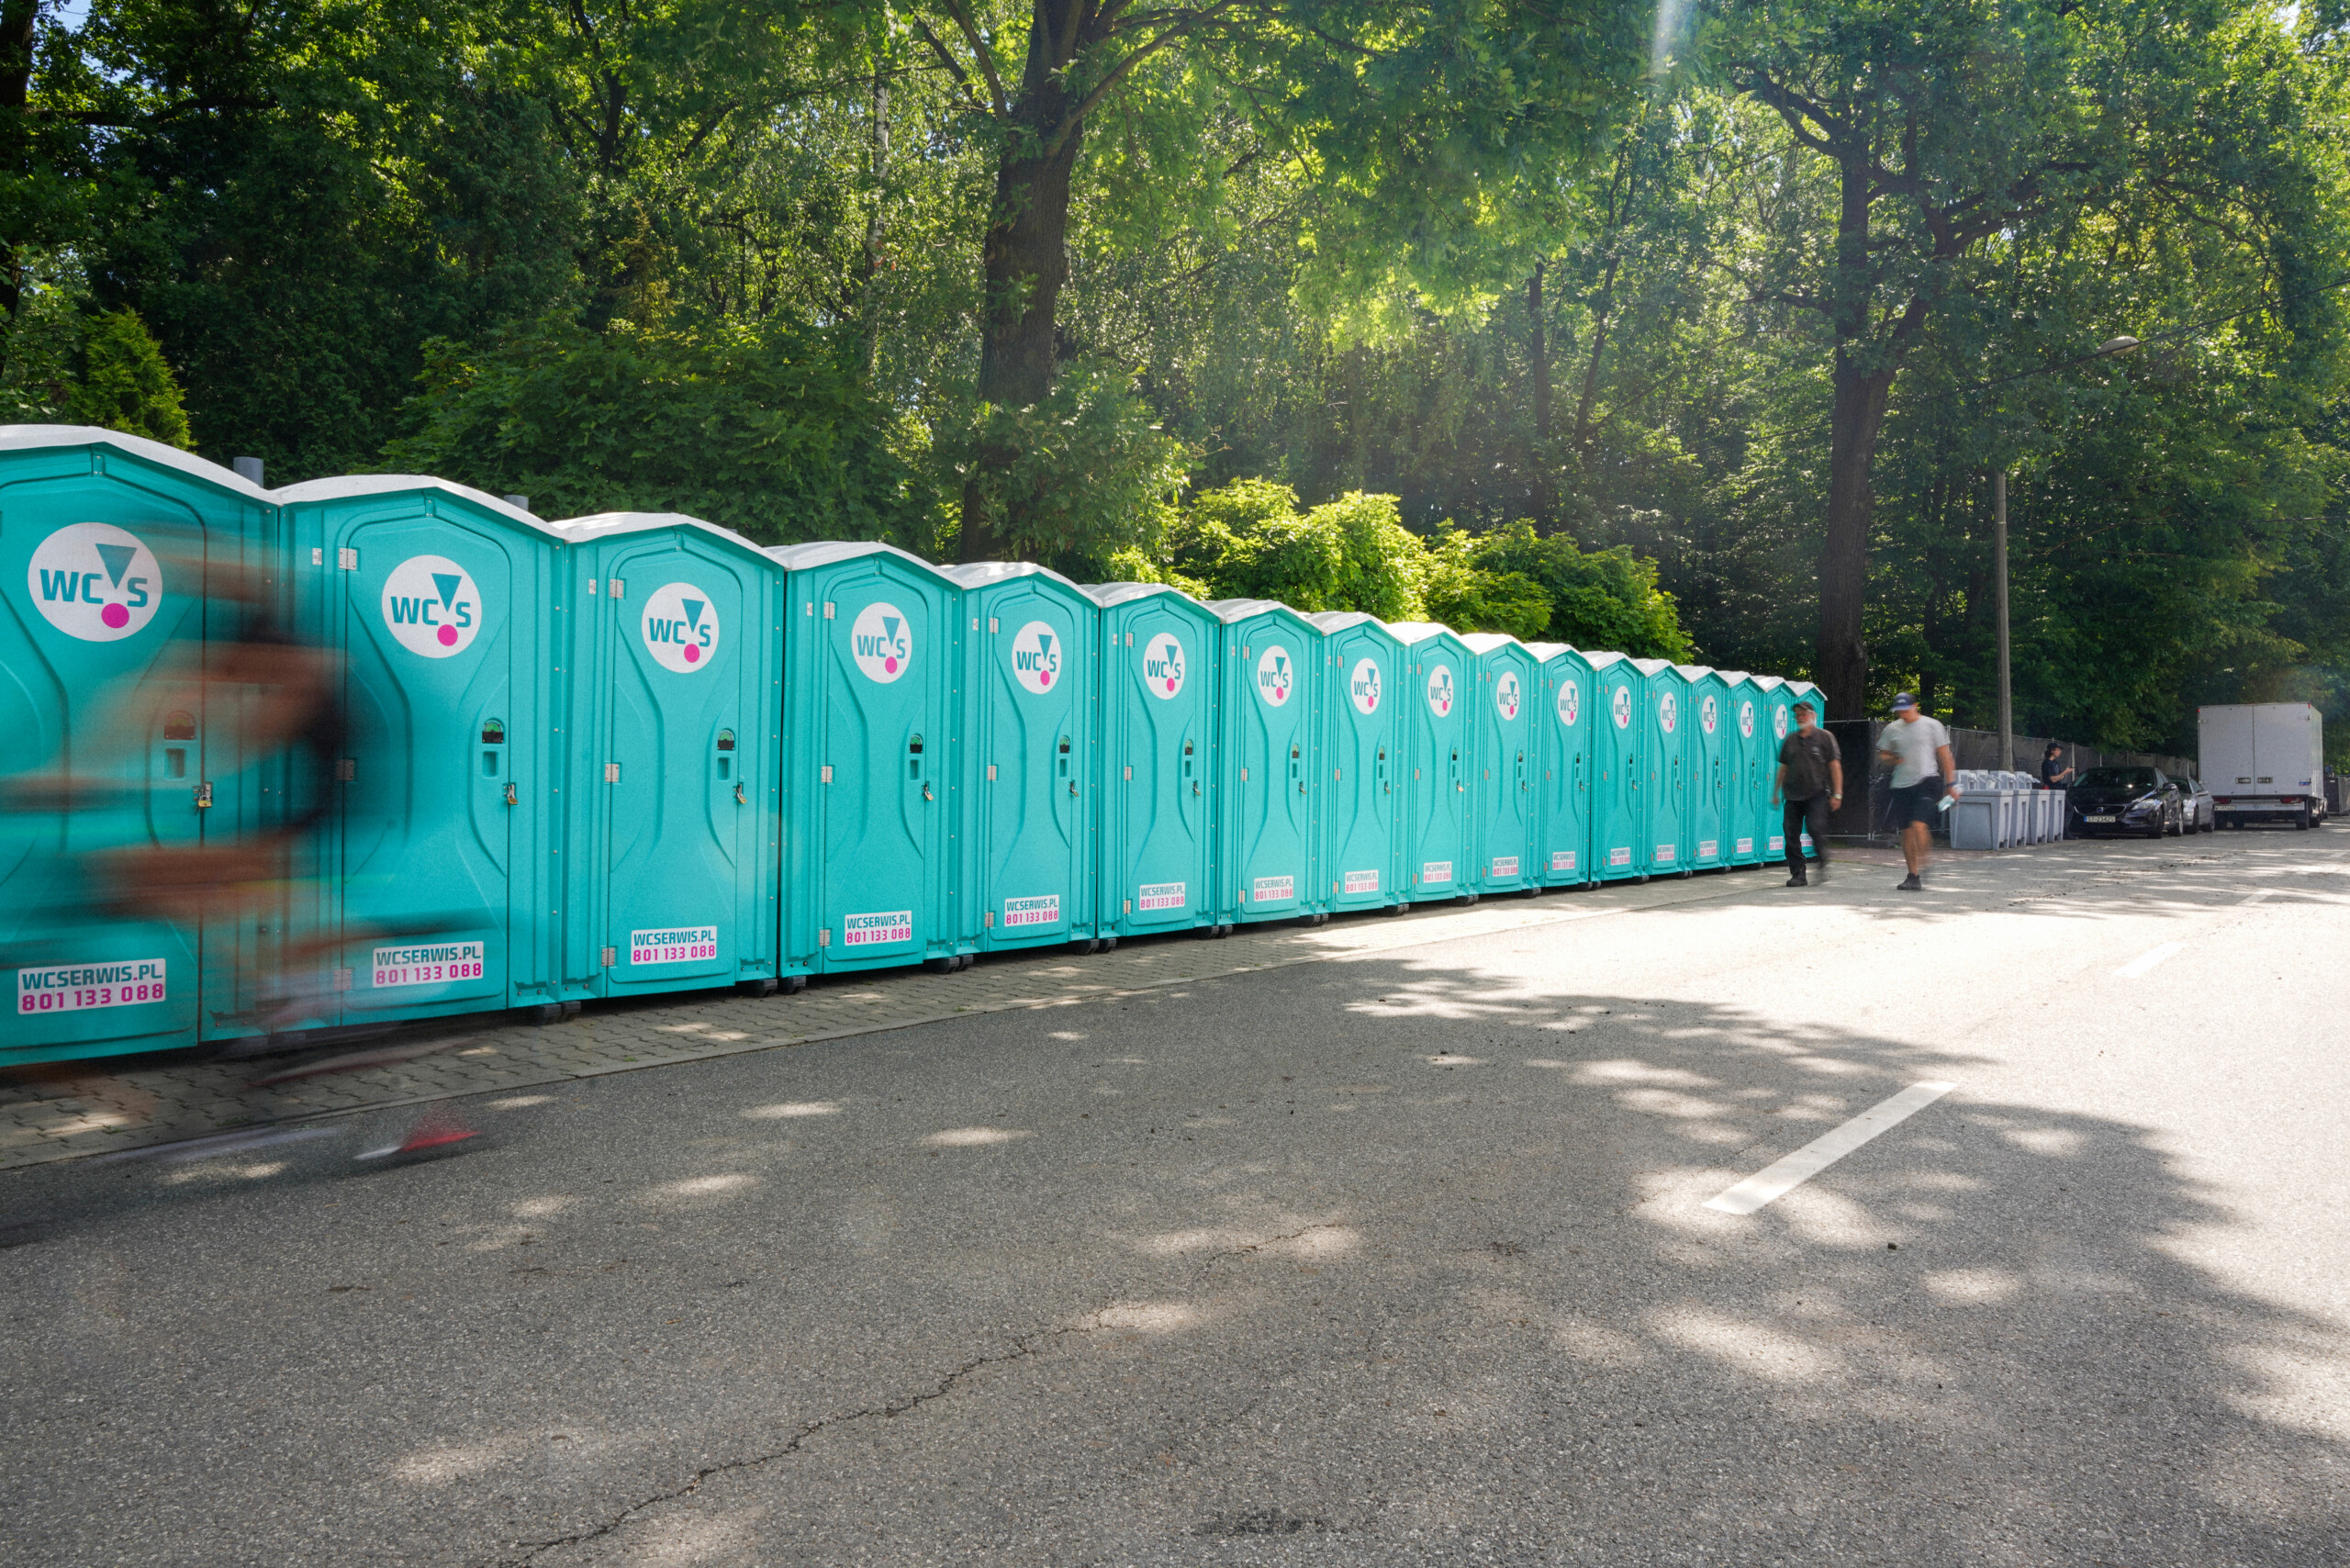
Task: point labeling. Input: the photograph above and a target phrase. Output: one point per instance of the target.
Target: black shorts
(1920, 802)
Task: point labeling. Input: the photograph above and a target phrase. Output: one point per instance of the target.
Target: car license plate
(2097, 819)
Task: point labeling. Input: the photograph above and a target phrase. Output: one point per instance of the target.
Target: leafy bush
(768, 430)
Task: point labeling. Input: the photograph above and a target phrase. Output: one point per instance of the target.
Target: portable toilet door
(672, 683)
(1270, 718)
(1620, 838)
(1156, 821)
(123, 761)
(439, 889)
(1361, 812)
(1436, 750)
(872, 648)
(1665, 765)
(1706, 708)
(1507, 756)
(1029, 663)
(1746, 769)
(1562, 702)
(1775, 709)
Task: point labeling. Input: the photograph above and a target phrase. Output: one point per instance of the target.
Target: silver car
(2196, 812)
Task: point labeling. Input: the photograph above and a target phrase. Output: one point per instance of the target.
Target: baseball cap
(1904, 700)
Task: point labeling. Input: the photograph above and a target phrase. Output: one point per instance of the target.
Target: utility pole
(1999, 567)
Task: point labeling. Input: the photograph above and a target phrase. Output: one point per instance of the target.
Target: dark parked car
(2196, 808)
(2125, 800)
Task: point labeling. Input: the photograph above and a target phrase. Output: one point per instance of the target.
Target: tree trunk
(1863, 379)
(1024, 260)
(1859, 416)
(876, 230)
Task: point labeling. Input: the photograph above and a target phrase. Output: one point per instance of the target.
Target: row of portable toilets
(636, 753)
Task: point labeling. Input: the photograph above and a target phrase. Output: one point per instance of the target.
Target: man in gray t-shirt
(1923, 773)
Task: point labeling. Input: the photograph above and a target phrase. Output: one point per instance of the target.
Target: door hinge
(343, 980)
(826, 776)
(1244, 776)
(611, 956)
(991, 626)
(825, 937)
(990, 772)
(1130, 906)
(346, 769)
(1130, 773)
(318, 555)
(618, 588)
(828, 609)
(346, 559)
(611, 773)
(203, 796)
(988, 919)
(591, 587)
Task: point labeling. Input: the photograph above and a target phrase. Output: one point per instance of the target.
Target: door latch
(203, 796)
(741, 798)
(513, 797)
(926, 794)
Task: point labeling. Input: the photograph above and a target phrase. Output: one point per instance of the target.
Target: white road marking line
(1821, 1152)
(2147, 960)
(2262, 893)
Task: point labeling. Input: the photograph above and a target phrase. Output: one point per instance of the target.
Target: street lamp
(2111, 348)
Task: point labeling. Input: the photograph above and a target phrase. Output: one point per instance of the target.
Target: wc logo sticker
(1043, 910)
(1162, 665)
(1275, 889)
(876, 930)
(1440, 690)
(1779, 723)
(1507, 697)
(431, 606)
(1668, 711)
(1362, 881)
(1707, 715)
(1160, 895)
(676, 945)
(1362, 690)
(1036, 656)
(882, 640)
(1275, 678)
(1745, 720)
(1623, 707)
(1569, 703)
(680, 628)
(94, 581)
(73, 988)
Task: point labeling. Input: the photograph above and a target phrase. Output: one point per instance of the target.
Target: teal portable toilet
(1744, 760)
(1362, 811)
(872, 658)
(1620, 834)
(1665, 765)
(1507, 753)
(1271, 721)
(1029, 661)
(436, 880)
(672, 689)
(1711, 767)
(117, 753)
(1562, 701)
(1157, 818)
(1437, 748)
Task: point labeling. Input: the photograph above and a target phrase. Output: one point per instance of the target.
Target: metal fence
(1864, 818)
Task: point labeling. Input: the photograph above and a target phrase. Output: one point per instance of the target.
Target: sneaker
(1911, 884)
(1797, 880)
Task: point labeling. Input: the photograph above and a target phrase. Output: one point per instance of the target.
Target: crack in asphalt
(1024, 1346)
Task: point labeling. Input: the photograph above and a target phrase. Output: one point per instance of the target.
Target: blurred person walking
(1811, 778)
(1924, 774)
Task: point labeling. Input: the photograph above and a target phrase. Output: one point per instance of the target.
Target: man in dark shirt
(1811, 780)
(2053, 774)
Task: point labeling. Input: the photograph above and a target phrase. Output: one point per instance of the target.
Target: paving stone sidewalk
(105, 1107)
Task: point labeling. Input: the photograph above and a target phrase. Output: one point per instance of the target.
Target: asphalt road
(1392, 1260)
